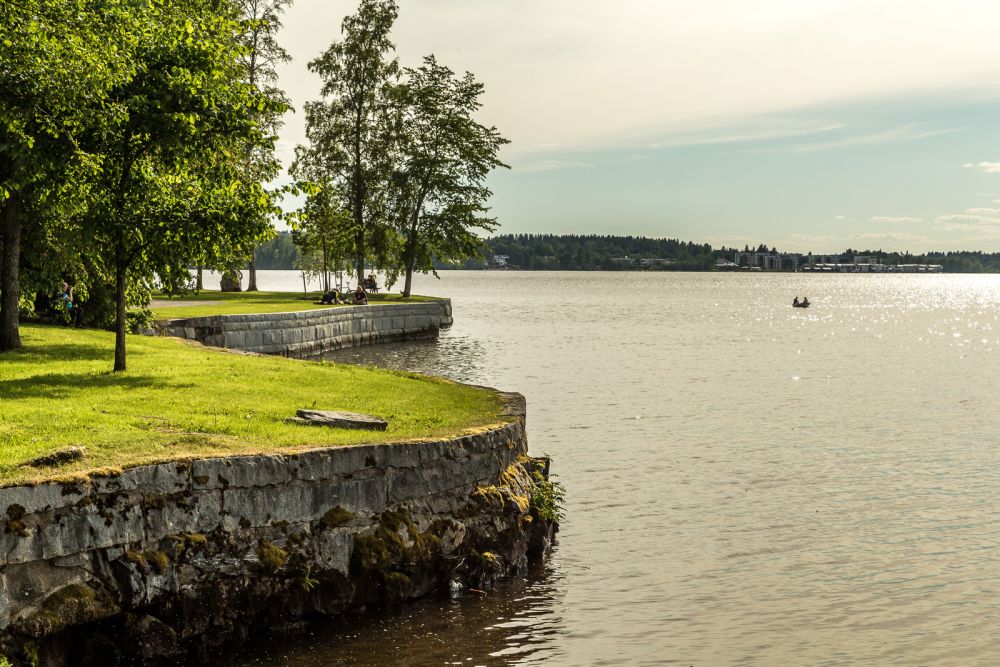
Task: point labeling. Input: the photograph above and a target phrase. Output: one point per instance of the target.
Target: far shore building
(772, 261)
(768, 261)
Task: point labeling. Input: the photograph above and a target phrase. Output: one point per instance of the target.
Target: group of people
(60, 305)
(801, 304)
(358, 298)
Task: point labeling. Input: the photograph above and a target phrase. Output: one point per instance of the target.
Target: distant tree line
(572, 252)
(960, 261)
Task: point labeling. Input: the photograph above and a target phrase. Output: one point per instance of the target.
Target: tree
(348, 129)
(323, 233)
(262, 21)
(58, 60)
(173, 189)
(444, 156)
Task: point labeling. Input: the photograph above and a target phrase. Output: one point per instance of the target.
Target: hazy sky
(810, 124)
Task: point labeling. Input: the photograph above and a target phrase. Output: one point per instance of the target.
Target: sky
(810, 125)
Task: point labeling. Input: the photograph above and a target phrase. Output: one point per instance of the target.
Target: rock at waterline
(339, 420)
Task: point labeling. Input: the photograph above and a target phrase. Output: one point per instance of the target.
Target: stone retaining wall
(175, 558)
(314, 332)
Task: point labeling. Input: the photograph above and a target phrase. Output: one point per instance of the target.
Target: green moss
(74, 604)
(397, 582)
(271, 556)
(158, 560)
(136, 558)
(30, 651)
(184, 541)
(397, 541)
(336, 516)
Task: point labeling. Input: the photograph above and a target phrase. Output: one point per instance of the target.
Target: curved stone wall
(174, 558)
(313, 332)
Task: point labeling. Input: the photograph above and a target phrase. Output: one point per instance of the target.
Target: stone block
(86, 528)
(333, 550)
(412, 483)
(298, 502)
(198, 513)
(241, 471)
(17, 548)
(39, 498)
(158, 479)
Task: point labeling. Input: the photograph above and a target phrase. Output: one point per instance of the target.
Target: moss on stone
(159, 560)
(396, 541)
(184, 541)
(397, 583)
(136, 558)
(74, 604)
(271, 556)
(336, 517)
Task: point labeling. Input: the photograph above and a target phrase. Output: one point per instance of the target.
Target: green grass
(179, 400)
(240, 303)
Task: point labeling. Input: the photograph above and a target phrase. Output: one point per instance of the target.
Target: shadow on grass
(43, 352)
(63, 385)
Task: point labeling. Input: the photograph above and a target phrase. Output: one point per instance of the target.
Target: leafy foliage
(349, 128)
(443, 156)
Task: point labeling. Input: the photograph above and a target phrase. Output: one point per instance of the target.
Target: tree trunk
(326, 272)
(10, 277)
(409, 280)
(119, 314)
(410, 251)
(199, 285)
(360, 257)
(252, 287)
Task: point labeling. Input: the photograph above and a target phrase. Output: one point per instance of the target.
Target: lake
(748, 483)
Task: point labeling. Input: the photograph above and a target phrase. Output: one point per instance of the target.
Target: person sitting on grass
(71, 312)
(360, 298)
(331, 297)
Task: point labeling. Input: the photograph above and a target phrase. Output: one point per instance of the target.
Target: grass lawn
(239, 303)
(178, 400)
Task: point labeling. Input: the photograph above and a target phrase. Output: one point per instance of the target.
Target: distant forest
(572, 252)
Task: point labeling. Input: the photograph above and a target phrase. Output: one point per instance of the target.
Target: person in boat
(795, 301)
(805, 301)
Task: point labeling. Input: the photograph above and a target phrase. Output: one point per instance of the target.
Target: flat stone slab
(340, 420)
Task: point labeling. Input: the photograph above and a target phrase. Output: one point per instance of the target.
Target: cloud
(985, 221)
(878, 219)
(988, 167)
(906, 132)
(890, 236)
(548, 164)
(841, 217)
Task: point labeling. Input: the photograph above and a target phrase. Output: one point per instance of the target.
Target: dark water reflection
(507, 624)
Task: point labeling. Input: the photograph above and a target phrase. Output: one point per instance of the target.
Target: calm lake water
(749, 484)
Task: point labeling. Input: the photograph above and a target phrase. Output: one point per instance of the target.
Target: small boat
(804, 304)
